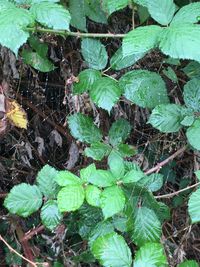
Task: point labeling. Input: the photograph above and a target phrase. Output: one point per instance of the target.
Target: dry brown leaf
(16, 114)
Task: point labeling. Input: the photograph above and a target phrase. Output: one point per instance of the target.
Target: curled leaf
(16, 114)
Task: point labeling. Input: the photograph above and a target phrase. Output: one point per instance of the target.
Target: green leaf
(193, 206)
(119, 132)
(40, 47)
(143, 14)
(94, 53)
(51, 15)
(129, 166)
(83, 128)
(151, 255)
(197, 173)
(70, 198)
(181, 41)
(144, 88)
(92, 195)
(30, 2)
(126, 150)
(161, 11)
(188, 120)
(112, 251)
(86, 80)
(111, 6)
(146, 227)
(12, 22)
(118, 61)
(171, 74)
(189, 263)
(191, 94)
(112, 201)
(23, 199)
(77, 11)
(120, 222)
(65, 178)
(172, 61)
(36, 61)
(141, 40)
(94, 11)
(105, 93)
(97, 151)
(192, 70)
(153, 182)
(187, 14)
(167, 118)
(193, 133)
(133, 176)
(102, 178)
(163, 213)
(50, 215)
(87, 172)
(5, 5)
(116, 164)
(102, 228)
(46, 181)
(87, 218)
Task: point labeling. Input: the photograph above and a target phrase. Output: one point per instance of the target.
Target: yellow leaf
(15, 114)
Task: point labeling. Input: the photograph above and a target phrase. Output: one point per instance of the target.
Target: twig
(30, 234)
(76, 34)
(17, 253)
(164, 162)
(178, 192)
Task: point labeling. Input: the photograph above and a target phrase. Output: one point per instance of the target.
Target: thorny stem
(76, 34)
(17, 253)
(164, 162)
(178, 192)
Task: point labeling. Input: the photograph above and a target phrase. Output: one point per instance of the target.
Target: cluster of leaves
(115, 191)
(172, 117)
(123, 194)
(123, 190)
(81, 127)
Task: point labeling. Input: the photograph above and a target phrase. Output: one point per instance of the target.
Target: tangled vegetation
(100, 133)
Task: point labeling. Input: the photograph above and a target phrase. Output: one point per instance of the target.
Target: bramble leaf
(145, 88)
(83, 128)
(50, 215)
(51, 15)
(193, 206)
(23, 199)
(119, 132)
(167, 118)
(118, 61)
(146, 227)
(92, 195)
(191, 94)
(97, 151)
(70, 198)
(112, 251)
(46, 181)
(193, 133)
(151, 255)
(86, 79)
(181, 41)
(141, 40)
(94, 53)
(105, 93)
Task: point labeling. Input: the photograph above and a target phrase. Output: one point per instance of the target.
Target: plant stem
(17, 253)
(164, 162)
(178, 192)
(75, 34)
